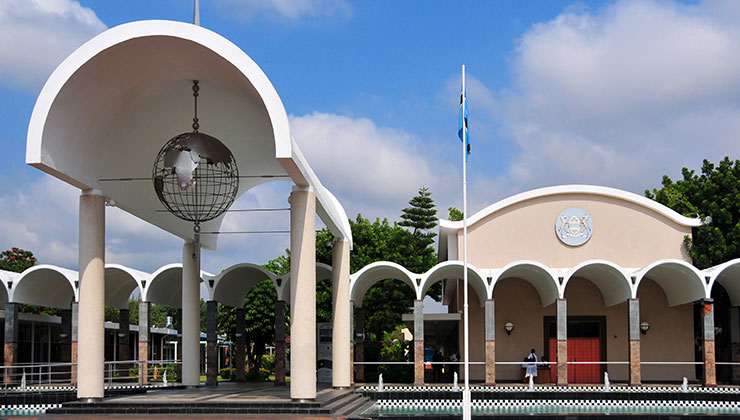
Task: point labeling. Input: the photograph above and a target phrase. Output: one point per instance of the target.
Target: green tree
(421, 217)
(714, 195)
(454, 214)
(17, 260)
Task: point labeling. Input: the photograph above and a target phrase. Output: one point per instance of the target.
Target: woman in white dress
(532, 365)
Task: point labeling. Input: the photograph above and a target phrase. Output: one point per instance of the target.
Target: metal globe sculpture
(195, 175)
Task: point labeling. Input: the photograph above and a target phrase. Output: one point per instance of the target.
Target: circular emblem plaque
(574, 226)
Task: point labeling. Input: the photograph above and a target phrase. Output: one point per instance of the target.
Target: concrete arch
(537, 274)
(681, 282)
(138, 75)
(454, 269)
(611, 279)
(165, 285)
(46, 285)
(7, 278)
(728, 275)
(120, 282)
(323, 272)
(363, 280)
(232, 285)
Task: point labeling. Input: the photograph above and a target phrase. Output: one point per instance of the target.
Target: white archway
(120, 282)
(233, 284)
(537, 274)
(454, 269)
(681, 282)
(728, 275)
(363, 280)
(165, 285)
(46, 285)
(611, 279)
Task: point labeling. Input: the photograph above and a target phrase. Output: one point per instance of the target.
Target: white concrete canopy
(610, 278)
(6, 278)
(112, 104)
(454, 270)
(681, 281)
(232, 285)
(46, 285)
(120, 282)
(165, 285)
(363, 280)
(728, 275)
(538, 275)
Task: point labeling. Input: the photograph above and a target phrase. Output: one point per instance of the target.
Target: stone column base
(562, 362)
(351, 364)
(73, 360)
(144, 366)
(490, 362)
(360, 354)
(418, 362)
(211, 364)
(635, 370)
(279, 363)
(710, 372)
(11, 351)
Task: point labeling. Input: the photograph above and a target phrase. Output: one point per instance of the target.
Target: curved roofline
(574, 189)
(70, 275)
(426, 285)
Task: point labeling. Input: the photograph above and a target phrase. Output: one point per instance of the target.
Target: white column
(190, 315)
(303, 294)
(341, 315)
(92, 296)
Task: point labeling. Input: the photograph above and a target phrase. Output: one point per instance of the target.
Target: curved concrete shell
(46, 285)
(610, 278)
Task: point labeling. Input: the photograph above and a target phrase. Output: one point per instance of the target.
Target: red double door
(579, 350)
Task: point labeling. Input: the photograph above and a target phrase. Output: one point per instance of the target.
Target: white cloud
(37, 35)
(291, 10)
(372, 170)
(621, 95)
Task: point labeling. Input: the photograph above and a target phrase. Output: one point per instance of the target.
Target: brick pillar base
(562, 362)
(352, 364)
(240, 356)
(635, 373)
(11, 351)
(710, 372)
(279, 363)
(211, 364)
(490, 362)
(73, 360)
(418, 362)
(144, 366)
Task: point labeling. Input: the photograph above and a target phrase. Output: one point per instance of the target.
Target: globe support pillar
(190, 315)
(92, 296)
(341, 318)
(303, 294)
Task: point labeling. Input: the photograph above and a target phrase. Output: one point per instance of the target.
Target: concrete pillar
(279, 343)
(562, 336)
(303, 294)
(178, 356)
(211, 343)
(360, 344)
(11, 341)
(710, 372)
(633, 308)
(240, 355)
(190, 315)
(73, 344)
(418, 342)
(490, 326)
(123, 340)
(144, 323)
(341, 309)
(91, 269)
(65, 339)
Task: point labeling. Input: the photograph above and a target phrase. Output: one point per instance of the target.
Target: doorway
(585, 344)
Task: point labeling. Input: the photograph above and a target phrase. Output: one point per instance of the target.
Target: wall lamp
(644, 327)
(509, 327)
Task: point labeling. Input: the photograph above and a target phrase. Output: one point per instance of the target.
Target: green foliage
(421, 216)
(715, 197)
(393, 349)
(17, 260)
(454, 214)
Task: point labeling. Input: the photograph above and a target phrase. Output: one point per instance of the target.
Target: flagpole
(466, 391)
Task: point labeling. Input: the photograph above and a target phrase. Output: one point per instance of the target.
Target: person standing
(532, 364)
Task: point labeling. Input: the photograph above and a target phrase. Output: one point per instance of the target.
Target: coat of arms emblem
(574, 226)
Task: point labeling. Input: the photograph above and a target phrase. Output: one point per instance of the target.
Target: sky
(615, 93)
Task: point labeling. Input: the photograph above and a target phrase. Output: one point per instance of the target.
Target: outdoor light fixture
(62, 335)
(238, 335)
(644, 327)
(509, 327)
(121, 335)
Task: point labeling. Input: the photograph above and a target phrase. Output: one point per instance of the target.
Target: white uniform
(532, 367)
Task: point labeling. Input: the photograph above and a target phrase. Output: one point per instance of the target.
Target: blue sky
(612, 93)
